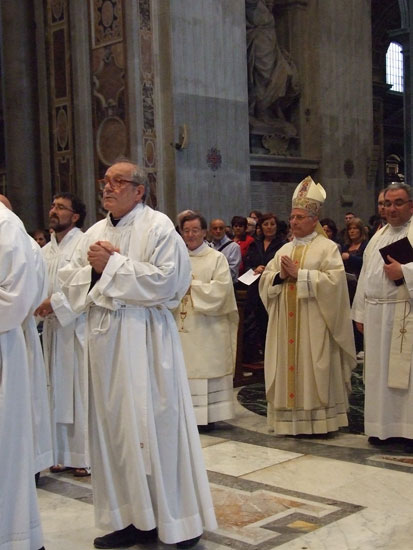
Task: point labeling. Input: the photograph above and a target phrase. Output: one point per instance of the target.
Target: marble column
(19, 81)
(82, 108)
(209, 104)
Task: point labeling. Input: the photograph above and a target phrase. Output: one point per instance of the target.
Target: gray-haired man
(131, 269)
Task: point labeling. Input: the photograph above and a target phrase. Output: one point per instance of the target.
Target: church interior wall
(210, 99)
(346, 106)
(141, 78)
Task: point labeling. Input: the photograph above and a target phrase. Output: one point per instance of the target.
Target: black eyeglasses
(60, 207)
(115, 182)
(398, 203)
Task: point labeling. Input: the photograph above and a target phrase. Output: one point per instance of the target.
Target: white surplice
(207, 320)
(20, 527)
(42, 435)
(388, 410)
(309, 352)
(146, 458)
(63, 345)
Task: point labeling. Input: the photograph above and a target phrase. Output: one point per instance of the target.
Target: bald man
(224, 244)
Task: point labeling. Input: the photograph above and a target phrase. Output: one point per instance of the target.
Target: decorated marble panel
(110, 86)
(60, 95)
(107, 22)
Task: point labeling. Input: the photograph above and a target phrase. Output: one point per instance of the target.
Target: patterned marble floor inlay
(250, 515)
(254, 515)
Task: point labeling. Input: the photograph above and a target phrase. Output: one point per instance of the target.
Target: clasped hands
(99, 253)
(288, 268)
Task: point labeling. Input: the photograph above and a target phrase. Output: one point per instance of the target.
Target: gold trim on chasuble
(292, 327)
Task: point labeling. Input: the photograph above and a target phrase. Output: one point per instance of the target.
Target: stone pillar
(82, 107)
(19, 80)
(338, 73)
(209, 107)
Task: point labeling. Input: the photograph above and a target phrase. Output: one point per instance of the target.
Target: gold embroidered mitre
(309, 195)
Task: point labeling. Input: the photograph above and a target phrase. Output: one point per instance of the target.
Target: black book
(401, 251)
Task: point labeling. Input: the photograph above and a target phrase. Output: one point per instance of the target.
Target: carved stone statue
(273, 82)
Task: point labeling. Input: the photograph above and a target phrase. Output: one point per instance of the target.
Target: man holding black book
(383, 310)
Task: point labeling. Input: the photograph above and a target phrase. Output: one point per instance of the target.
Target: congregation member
(355, 242)
(348, 216)
(330, 229)
(255, 215)
(41, 236)
(260, 252)
(207, 320)
(383, 310)
(129, 271)
(63, 341)
(251, 225)
(241, 237)
(222, 243)
(381, 213)
(309, 352)
(20, 525)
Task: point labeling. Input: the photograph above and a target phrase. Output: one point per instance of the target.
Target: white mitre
(309, 195)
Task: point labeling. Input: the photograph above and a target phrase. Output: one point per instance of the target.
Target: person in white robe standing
(309, 353)
(20, 527)
(384, 311)
(42, 437)
(63, 341)
(207, 320)
(43, 447)
(131, 270)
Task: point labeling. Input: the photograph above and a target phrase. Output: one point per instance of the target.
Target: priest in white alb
(309, 353)
(207, 320)
(20, 527)
(42, 437)
(63, 341)
(384, 311)
(130, 270)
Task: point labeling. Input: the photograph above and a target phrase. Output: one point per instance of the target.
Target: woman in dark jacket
(260, 252)
(355, 239)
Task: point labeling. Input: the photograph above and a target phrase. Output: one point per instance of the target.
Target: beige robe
(310, 350)
(207, 321)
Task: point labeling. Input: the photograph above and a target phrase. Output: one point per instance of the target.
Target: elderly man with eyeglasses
(207, 320)
(63, 341)
(130, 271)
(384, 311)
(309, 352)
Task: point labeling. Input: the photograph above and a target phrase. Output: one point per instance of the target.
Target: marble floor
(271, 492)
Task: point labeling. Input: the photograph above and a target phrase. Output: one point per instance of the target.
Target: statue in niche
(273, 82)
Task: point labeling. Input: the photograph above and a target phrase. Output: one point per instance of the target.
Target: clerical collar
(124, 220)
(304, 240)
(114, 222)
(199, 249)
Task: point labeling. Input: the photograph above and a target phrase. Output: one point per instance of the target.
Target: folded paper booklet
(401, 251)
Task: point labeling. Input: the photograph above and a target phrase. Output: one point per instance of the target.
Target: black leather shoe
(125, 538)
(376, 441)
(188, 543)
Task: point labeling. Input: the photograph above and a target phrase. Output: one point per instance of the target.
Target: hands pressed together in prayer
(393, 270)
(99, 253)
(288, 268)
